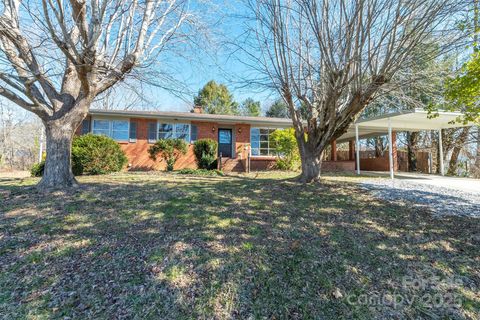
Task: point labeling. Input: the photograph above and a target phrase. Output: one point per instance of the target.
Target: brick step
(232, 165)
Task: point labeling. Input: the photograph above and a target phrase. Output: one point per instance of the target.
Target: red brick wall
(205, 130)
(137, 152)
(262, 163)
(138, 157)
(242, 140)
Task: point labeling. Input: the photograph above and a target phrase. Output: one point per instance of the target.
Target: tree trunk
(58, 170)
(460, 141)
(411, 148)
(311, 164)
(378, 147)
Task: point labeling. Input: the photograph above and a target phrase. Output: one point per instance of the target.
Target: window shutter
(85, 126)
(133, 131)
(152, 132)
(194, 133)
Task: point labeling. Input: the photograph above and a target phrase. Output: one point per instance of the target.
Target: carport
(412, 120)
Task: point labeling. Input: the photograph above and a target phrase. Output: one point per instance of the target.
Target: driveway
(442, 195)
(461, 184)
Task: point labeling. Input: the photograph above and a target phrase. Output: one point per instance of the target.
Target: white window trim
(156, 133)
(110, 127)
(260, 155)
(173, 123)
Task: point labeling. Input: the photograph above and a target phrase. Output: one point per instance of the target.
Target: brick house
(244, 141)
(238, 137)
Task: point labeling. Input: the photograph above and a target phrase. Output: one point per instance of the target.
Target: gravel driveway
(440, 199)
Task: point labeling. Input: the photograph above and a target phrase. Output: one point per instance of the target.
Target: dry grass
(259, 246)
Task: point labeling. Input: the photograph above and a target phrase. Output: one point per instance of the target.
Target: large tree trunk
(58, 169)
(311, 169)
(412, 138)
(59, 134)
(459, 143)
(311, 162)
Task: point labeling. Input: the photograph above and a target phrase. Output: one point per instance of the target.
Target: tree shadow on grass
(172, 246)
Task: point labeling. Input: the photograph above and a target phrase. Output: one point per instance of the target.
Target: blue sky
(215, 61)
(194, 66)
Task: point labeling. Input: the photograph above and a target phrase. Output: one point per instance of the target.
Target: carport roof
(411, 120)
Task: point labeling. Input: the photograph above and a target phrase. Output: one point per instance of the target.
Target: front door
(225, 142)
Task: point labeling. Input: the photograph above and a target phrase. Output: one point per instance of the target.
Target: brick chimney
(197, 109)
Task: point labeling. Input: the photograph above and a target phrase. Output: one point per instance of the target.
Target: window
(120, 130)
(133, 132)
(174, 131)
(115, 129)
(101, 127)
(152, 132)
(165, 131)
(182, 131)
(260, 142)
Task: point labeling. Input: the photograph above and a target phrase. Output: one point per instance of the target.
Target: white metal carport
(412, 120)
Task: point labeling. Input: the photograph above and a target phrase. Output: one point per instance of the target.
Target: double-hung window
(101, 127)
(115, 129)
(174, 131)
(152, 132)
(260, 142)
(120, 130)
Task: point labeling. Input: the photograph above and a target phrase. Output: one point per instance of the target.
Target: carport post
(390, 148)
(357, 148)
(440, 144)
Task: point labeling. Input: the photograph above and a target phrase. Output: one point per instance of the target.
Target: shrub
(170, 150)
(91, 154)
(37, 169)
(287, 149)
(96, 154)
(206, 153)
(201, 172)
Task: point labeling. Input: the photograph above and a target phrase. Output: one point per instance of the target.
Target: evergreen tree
(216, 99)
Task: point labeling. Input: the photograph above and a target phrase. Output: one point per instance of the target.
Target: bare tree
(120, 97)
(19, 137)
(57, 56)
(334, 57)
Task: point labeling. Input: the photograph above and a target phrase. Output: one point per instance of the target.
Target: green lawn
(170, 246)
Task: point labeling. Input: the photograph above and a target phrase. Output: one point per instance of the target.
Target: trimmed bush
(287, 149)
(169, 149)
(37, 169)
(91, 154)
(96, 154)
(206, 153)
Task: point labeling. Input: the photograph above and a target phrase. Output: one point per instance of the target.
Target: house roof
(190, 116)
(411, 120)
